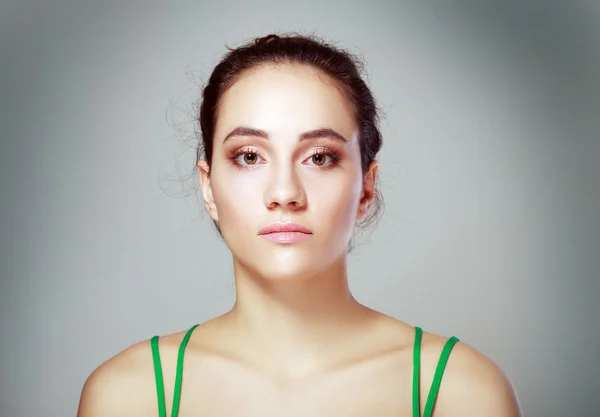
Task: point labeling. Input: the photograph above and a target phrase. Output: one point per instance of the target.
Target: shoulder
(472, 383)
(125, 384)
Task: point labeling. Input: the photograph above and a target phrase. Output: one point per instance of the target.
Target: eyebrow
(312, 134)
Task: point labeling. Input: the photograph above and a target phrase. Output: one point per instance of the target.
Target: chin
(285, 263)
(277, 270)
(280, 262)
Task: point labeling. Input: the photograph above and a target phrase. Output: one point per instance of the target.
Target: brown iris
(250, 158)
(318, 159)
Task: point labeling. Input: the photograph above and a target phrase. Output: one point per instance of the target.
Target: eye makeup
(250, 157)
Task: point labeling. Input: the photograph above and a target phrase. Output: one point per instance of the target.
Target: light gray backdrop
(489, 169)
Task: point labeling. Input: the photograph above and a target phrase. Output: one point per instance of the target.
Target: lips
(285, 233)
(284, 228)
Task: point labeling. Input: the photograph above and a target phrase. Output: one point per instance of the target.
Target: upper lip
(284, 227)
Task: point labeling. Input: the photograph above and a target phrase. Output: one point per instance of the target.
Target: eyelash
(333, 155)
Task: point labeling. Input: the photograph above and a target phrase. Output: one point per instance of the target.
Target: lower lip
(286, 237)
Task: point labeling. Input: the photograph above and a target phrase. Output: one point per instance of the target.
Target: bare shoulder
(125, 384)
(472, 383)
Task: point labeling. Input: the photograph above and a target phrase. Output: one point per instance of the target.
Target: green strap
(416, 372)
(160, 387)
(437, 377)
(179, 374)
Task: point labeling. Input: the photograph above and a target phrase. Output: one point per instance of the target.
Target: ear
(368, 194)
(207, 196)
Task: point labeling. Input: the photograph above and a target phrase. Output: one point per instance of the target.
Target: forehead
(288, 99)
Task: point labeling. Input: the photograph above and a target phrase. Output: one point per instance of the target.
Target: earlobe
(368, 194)
(205, 185)
(362, 211)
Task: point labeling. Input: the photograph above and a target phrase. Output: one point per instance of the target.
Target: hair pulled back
(310, 51)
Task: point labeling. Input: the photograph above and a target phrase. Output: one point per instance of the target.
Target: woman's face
(286, 151)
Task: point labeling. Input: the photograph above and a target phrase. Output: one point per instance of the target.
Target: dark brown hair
(297, 49)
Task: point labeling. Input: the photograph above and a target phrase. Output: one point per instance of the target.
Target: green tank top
(435, 385)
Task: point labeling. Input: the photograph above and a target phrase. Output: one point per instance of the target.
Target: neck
(296, 324)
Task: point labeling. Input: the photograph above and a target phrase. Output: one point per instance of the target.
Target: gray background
(489, 171)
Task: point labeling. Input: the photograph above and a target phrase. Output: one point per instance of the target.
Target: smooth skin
(296, 342)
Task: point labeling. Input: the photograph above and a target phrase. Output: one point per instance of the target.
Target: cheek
(336, 199)
(236, 197)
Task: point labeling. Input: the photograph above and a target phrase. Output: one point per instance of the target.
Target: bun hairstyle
(274, 49)
(266, 39)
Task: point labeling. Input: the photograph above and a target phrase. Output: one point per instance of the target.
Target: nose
(284, 189)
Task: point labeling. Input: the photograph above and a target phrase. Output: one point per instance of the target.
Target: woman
(287, 169)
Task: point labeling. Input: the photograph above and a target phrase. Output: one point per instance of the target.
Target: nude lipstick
(285, 232)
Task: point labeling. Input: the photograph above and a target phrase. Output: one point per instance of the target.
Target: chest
(374, 391)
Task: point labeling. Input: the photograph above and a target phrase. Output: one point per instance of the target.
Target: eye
(323, 158)
(249, 158)
(318, 159)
